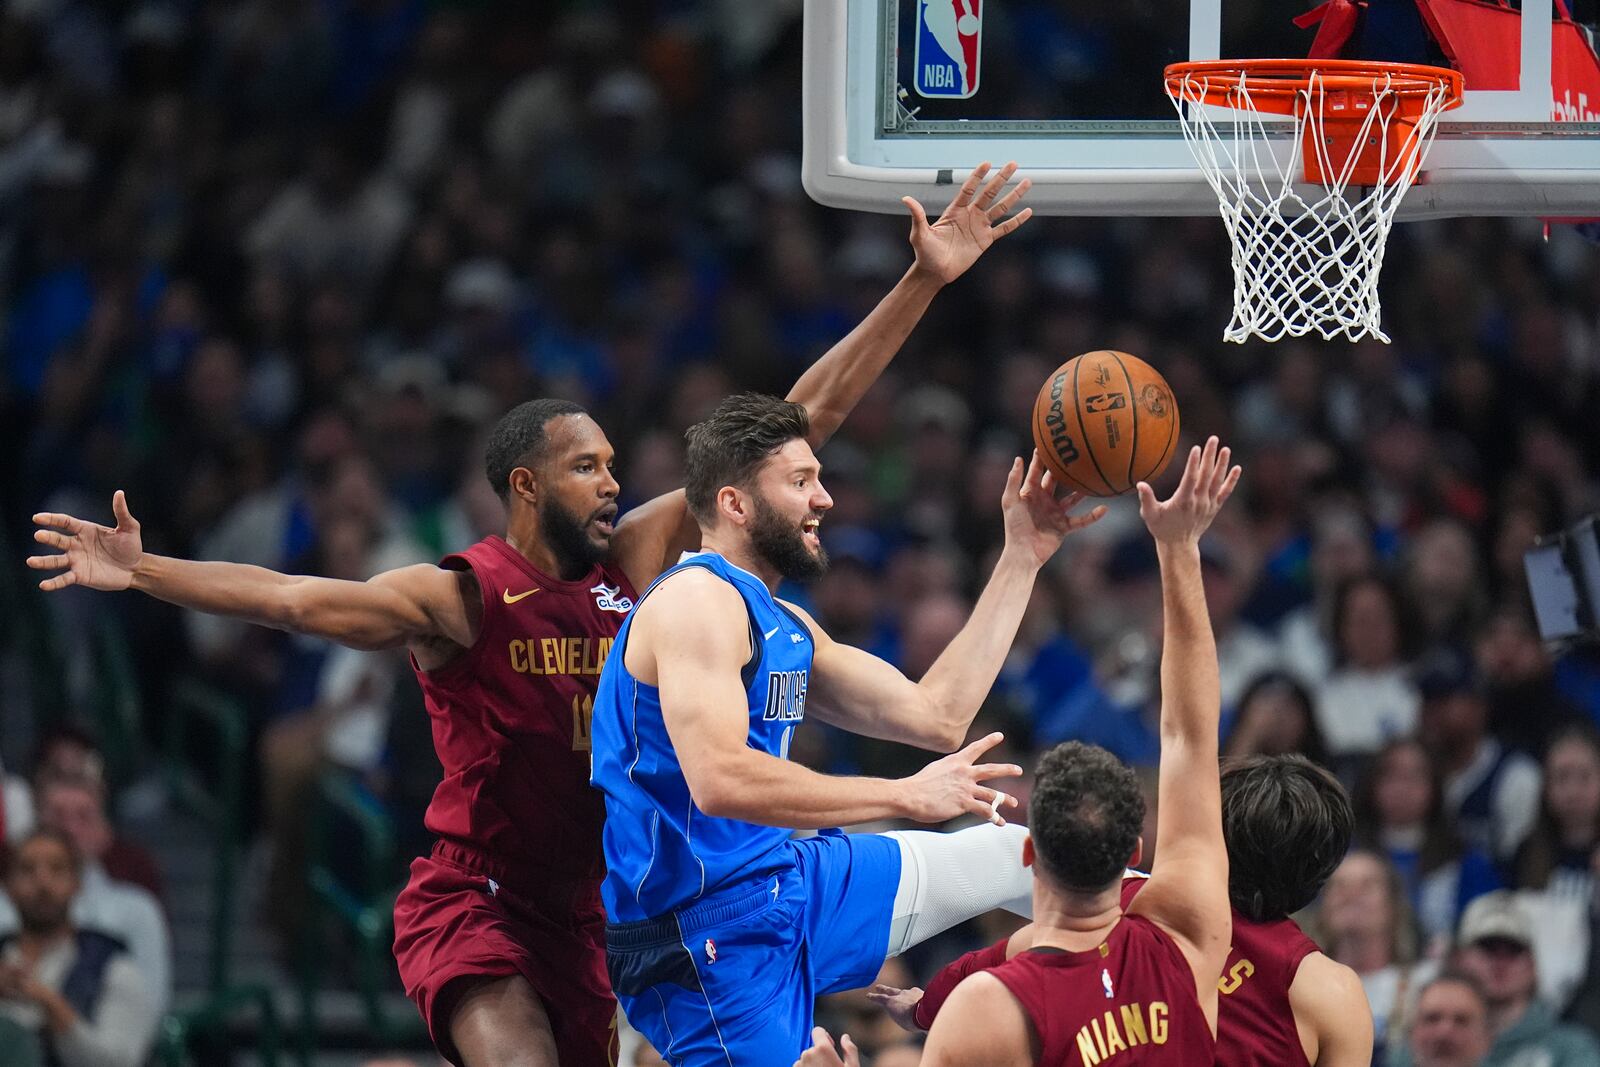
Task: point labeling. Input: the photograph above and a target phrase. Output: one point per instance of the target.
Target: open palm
(969, 225)
(1037, 515)
(1207, 483)
(91, 555)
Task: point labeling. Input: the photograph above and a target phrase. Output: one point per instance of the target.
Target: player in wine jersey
(1287, 823)
(1100, 984)
(498, 934)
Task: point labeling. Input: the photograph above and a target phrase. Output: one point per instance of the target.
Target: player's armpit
(856, 691)
(691, 639)
(981, 1025)
(1332, 1014)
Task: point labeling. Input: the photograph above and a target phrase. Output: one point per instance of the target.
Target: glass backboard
(907, 95)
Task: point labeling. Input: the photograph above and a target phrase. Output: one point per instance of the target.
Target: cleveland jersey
(510, 718)
(661, 850)
(1129, 1001)
(1255, 1023)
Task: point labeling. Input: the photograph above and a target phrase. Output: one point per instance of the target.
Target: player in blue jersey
(724, 927)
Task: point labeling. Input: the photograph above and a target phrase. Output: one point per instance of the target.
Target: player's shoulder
(1327, 993)
(983, 1018)
(690, 600)
(692, 581)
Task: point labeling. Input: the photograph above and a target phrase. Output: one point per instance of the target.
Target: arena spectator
(1452, 1025)
(72, 753)
(1491, 793)
(1276, 716)
(1526, 705)
(1369, 696)
(1243, 650)
(1341, 550)
(1496, 948)
(75, 809)
(1557, 856)
(1364, 922)
(1444, 583)
(76, 988)
(1400, 813)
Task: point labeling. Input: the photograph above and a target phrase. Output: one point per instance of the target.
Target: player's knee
(502, 1023)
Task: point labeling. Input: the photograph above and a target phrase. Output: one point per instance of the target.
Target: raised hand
(1206, 485)
(91, 555)
(950, 786)
(822, 1053)
(1038, 516)
(901, 1004)
(969, 225)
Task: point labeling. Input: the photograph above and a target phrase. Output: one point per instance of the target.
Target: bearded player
(724, 926)
(1097, 983)
(498, 934)
(1287, 824)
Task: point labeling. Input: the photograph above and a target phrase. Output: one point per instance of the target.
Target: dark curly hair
(1085, 816)
(730, 445)
(519, 439)
(1288, 824)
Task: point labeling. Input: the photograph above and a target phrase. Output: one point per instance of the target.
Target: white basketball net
(1302, 262)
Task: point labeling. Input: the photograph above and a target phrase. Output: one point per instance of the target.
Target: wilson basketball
(1104, 422)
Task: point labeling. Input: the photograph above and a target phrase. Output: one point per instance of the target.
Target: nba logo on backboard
(949, 35)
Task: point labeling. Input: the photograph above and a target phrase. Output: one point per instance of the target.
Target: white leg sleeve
(947, 879)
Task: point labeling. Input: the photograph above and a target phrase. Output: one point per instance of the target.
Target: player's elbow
(944, 725)
(717, 791)
(719, 801)
(945, 739)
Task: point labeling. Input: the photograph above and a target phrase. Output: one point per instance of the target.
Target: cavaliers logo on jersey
(610, 598)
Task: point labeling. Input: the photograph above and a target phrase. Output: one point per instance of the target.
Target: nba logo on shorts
(949, 33)
(711, 951)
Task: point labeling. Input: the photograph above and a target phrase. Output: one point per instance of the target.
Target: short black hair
(727, 447)
(519, 439)
(1085, 816)
(1287, 823)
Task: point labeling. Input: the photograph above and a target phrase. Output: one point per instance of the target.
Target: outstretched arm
(652, 536)
(1187, 892)
(859, 692)
(945, 250)
(391, 609)
(691, 639)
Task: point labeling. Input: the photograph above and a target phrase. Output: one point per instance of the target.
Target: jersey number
(1235, 977)
(582, 718)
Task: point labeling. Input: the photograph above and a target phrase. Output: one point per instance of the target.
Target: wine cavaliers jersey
(1255, 1024)
(1129, 1001)
(511, 716)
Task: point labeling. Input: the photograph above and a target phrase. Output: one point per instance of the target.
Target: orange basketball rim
(1335, 99)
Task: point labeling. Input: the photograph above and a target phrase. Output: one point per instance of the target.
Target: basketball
(1104, 422)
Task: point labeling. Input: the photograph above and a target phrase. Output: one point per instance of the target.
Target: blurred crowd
(274, 266)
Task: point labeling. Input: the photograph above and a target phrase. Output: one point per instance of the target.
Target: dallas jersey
(661, 851)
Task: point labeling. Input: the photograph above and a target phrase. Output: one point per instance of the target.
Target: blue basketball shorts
(730, 979)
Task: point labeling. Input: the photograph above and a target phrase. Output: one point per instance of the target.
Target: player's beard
(568, 537)
(779, 542)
